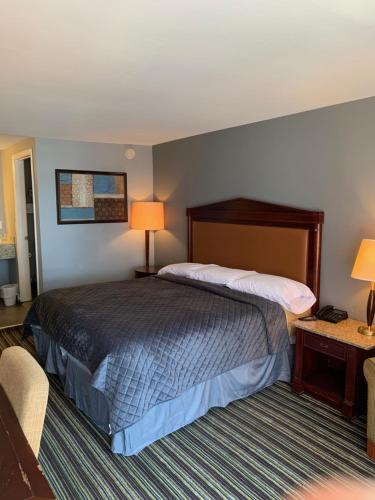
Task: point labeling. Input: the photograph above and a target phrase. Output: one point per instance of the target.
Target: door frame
(22, 247)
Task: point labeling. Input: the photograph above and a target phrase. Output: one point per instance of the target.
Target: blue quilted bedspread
(148, 340)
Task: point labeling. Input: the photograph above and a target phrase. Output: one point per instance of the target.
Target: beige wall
(2, 207)
(6, 189)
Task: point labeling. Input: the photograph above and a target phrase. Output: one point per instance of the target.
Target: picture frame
(91, 197)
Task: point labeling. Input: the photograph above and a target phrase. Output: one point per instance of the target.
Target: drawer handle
(325, 346)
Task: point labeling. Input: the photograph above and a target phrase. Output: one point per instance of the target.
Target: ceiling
(146, 71)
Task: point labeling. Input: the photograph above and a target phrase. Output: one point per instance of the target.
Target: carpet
(261, 447)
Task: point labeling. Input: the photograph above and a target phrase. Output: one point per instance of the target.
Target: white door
(22, 244)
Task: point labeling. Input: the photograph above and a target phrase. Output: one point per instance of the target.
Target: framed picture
(88, 197)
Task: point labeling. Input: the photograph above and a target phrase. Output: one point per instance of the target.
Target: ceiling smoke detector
(130, 153)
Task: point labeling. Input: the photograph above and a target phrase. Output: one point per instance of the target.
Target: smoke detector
(130, 153)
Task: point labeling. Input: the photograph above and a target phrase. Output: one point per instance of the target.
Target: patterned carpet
(261, 447)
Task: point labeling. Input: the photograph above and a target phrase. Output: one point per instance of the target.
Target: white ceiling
(148, 71)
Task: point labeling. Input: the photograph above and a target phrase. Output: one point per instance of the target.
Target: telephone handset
(328, 313)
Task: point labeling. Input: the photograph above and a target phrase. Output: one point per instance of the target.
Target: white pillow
(181, 269)
(292, 295)
(218, 275)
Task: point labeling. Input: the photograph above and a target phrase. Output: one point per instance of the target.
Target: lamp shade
(364, 266)
(148, 215)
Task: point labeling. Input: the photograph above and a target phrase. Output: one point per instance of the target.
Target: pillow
(182, 269)
(292, 295)
(218, 275)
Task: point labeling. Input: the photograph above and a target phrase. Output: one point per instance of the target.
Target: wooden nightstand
(143, 272)
(329, 363)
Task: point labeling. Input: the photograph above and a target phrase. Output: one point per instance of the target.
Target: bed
(143, 358)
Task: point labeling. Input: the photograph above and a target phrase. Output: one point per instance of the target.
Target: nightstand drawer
(325, 345)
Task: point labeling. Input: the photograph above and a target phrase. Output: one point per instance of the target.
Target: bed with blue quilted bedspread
(146, 341)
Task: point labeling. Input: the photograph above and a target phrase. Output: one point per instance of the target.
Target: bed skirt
(168, 416)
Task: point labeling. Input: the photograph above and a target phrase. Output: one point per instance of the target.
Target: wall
(8, 271)
(322, 159)
(2, 205)
(7, 185)
(4, 271)
(88, 253)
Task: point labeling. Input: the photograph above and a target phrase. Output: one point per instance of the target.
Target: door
(26, 233)
(30, 221)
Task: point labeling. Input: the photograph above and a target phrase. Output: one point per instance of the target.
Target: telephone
(327, 313)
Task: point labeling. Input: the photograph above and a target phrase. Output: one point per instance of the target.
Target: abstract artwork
(85, 197)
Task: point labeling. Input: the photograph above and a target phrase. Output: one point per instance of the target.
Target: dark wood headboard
(268, 238)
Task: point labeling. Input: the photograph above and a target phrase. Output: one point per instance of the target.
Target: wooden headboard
(254, 235)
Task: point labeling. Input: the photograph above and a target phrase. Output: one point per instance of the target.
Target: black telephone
(328, 313)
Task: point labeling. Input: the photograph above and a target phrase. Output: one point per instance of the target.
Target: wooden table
(144, 271)
(329, 363)
(20, 474)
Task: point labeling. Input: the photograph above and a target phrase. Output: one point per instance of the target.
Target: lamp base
(369, 331)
